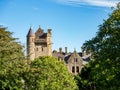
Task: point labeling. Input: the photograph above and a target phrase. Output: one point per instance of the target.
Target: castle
(40, 44)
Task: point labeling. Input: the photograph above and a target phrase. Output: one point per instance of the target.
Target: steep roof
(39, 31)
(43, 36)
(86, 57)
(30, 33)
(74, 55)
(39, 34)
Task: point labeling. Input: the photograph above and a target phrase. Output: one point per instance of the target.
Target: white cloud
(101, 3)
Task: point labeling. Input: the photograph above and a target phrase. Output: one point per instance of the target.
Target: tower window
(36, 49)
(73, 69)
(77, 69)
(42, 49)
(32, 40)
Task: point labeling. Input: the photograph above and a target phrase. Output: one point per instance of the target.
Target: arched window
(77, 69)
(73, 69)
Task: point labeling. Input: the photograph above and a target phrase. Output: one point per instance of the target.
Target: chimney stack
(66, 50)
(60, 50)
(49, 31)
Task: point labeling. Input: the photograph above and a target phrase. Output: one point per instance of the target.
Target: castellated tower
(39, 43)
(30, 45)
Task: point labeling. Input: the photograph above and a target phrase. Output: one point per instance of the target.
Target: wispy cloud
(3, 24)
(35, 8)
(100, 3)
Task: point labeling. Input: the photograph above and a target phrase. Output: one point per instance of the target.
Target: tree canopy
(104, 69)
(47, 73)
(11, 54)
(9, 47)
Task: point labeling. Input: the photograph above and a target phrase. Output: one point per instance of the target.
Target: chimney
(60, 50)
(66, 50)
(49, 31)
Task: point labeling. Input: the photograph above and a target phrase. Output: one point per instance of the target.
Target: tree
(105, 49)
(47, 73)
(9, 47)
(84, 79)
(11, 61)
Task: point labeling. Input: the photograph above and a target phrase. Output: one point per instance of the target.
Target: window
(32, 39)
(42, 49)
(73, 69)
(75, 60)
(36, 49)
(77, 69)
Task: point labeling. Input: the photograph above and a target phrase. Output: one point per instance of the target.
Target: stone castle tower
(39, 43)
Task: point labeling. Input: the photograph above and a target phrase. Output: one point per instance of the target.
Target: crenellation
(41, 42)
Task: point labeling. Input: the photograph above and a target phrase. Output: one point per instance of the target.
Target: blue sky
(72, 21)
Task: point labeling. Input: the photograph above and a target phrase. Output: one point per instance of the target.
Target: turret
(49, 42)
(30, 45)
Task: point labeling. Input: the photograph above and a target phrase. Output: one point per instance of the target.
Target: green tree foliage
(84, 79)
(47, 73)
(9, 47)
(10, 61)
(105, 48)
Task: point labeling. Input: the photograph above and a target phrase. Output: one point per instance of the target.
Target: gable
(75, 58)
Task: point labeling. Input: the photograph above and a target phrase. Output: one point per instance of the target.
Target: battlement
(37, 43)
